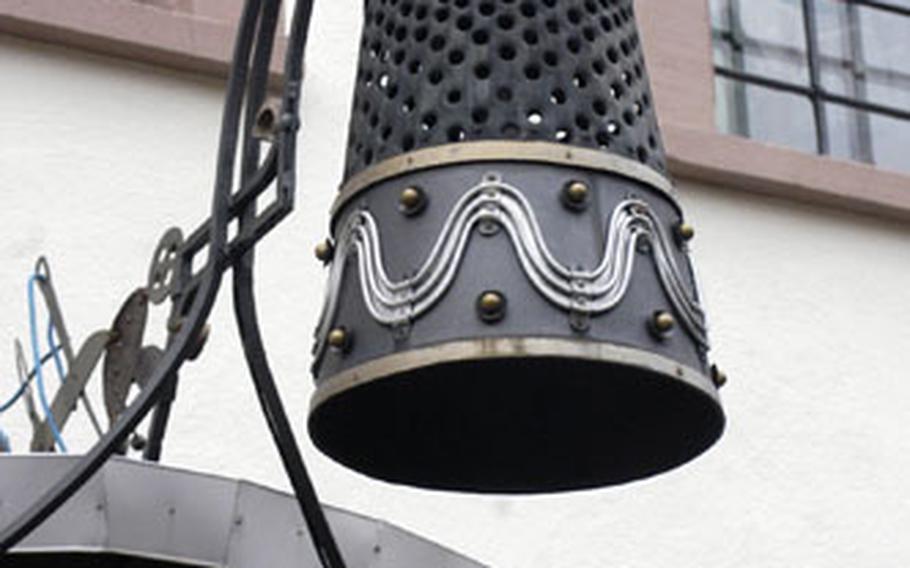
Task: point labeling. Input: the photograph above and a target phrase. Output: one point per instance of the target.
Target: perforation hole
(438, 43)
(410, 48)
(505, 22)
(456, 133)
(428, 122)
(507, 52)
(558, 97)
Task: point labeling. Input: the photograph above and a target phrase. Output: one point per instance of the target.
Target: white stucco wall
(808, 309)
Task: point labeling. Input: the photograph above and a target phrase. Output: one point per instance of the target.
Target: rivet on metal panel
(491, 306)
(718, 377)
(340, 339)
(661, 324)
(325, 251)
(576, 195)
(412, 200)
(685, 232)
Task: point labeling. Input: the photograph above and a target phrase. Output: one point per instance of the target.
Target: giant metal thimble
(510, 303)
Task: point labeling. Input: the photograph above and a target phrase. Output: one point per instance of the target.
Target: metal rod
(160, 418)
(53, 306)
(858, 72)
(884, 6)
(818, 108)
(807, 91)
(244, 299)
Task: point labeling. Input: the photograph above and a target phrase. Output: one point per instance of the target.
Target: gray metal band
(502, 151)
(506, 347)
(493, 201)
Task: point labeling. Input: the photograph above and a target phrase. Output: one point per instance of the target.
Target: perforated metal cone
(511, 306)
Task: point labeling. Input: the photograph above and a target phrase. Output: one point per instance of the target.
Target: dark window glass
(831, 76)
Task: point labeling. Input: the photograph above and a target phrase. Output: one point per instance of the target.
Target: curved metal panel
(151, 516)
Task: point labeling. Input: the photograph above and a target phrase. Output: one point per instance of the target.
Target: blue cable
(39, 375)
(15, 398)
(23, 387)
(5, 446)
(55, 350)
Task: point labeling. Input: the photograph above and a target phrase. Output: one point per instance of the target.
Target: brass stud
(718, 377)
(575, 195)
(663, 322)
(325, 251)
(491, 306)
(339, 338)
(412, 200)
(577, 192)
(685, 232)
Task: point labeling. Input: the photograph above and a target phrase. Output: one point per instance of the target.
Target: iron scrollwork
(193, 292)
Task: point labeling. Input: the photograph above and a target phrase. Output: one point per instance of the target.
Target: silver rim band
(507, 347)
(502, 151)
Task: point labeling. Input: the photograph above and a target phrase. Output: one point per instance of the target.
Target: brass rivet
(575, 195)
(338, 338)
(577, 192)
(685, 231)
(411, 200)
(663, 322)
(718, 377)
(325, 251)
(491, 306)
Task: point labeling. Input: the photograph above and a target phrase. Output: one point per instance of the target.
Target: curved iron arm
(199, 291)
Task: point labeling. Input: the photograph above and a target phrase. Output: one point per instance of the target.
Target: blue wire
(23, 387)
(5, 446)
(39, 375)
(15, 398)
(55, 350)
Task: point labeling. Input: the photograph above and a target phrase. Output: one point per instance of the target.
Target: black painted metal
(194, 294)
(460, 72)
(532, 425)
(434, 72)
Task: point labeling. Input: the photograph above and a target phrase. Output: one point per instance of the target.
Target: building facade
(786, 134)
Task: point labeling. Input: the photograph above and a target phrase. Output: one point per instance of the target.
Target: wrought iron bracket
(193, 291)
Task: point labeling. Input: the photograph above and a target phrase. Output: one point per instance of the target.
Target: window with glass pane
(829, 76)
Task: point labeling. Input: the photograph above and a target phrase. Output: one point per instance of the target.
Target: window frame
(679, 50)
(815, 91)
